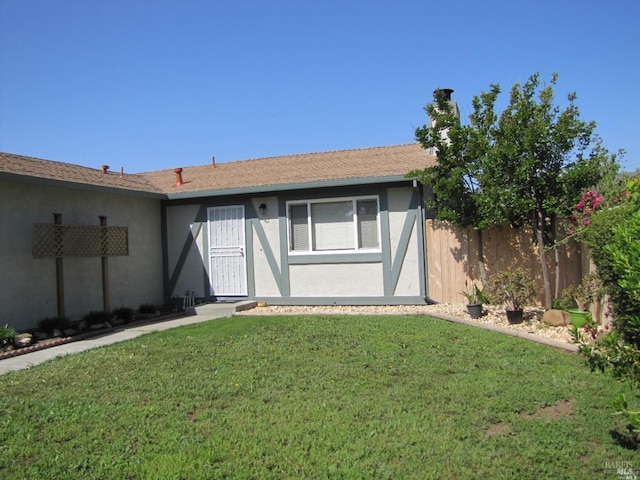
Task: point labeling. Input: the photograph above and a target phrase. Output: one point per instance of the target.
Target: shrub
(612, 234)
(7, 335)
(94, 317)
(147, 308)
(49, 324)
(565, 302)
(589, 290)
(612, 237)
(512, 288)
(123, 313)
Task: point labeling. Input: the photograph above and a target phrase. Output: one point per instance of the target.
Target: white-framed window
(334, 225)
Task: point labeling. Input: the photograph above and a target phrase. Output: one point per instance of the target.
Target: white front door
(227, 260)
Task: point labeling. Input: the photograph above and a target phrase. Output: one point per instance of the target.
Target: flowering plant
(582, 211)
(590, 202)
(472, 292)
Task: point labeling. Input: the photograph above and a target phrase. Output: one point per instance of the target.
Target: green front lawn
(312, 397)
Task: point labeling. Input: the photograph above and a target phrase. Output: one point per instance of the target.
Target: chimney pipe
(178, 177)
(105, 168)
(213, 162)
(121, 172)
(447, 93)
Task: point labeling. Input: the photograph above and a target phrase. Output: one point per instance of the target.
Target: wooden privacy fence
(454, 254)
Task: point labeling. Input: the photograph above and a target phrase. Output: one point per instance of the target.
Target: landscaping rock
(22, 340)
(56, 333)
(100, 326)
(556, 318)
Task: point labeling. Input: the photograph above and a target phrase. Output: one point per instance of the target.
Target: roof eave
(52, 182)
(261, 189)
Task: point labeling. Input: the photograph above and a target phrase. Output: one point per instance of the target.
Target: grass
(311, 397)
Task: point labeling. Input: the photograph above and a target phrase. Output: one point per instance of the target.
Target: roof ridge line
(290, 155)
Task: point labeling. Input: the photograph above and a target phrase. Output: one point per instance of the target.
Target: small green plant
(473, 293)
(7, 335)
(563, 302)
(589, 290)
(123, 313)
(49, 324)
(94, 317)
(512, 288)
(620, 407)
(147, 308)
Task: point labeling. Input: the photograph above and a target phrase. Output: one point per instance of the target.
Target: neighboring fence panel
(453, 255)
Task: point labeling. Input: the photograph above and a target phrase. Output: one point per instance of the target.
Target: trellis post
(105, 264)
(57, 219)
(59, 241)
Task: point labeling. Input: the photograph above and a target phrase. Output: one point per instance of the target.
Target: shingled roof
(311, 169)
(263, 174)
(31, 169)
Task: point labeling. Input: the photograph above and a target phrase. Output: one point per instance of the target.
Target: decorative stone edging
(54, 342)
(492, 319)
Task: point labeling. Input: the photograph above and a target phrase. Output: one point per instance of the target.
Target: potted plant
(514, 289)
(474, 295)
(589, 290)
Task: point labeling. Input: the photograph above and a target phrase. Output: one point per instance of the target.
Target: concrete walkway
(203, 313)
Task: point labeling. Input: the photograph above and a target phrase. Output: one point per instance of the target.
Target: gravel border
(493, 318)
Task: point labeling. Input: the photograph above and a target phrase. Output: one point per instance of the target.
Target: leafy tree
(527, 167)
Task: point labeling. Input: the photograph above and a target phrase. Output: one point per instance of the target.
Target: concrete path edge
(197, 314)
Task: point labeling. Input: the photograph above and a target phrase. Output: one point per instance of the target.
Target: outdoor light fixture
(262, 208)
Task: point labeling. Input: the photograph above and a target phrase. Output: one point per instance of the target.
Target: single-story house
(341, 227)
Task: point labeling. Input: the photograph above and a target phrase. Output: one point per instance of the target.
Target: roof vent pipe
(213, 162)
(105, 168)
(178, 177)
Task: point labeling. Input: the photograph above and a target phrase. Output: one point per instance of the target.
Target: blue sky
(152, 84)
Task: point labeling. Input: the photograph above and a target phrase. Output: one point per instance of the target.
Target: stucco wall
(187, 227)
(266, 283)
(409, 278)
(28, 285)
(337, 280)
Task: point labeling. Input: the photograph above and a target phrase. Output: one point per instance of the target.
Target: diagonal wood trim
(189, 241)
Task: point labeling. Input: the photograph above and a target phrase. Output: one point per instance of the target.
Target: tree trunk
(481, 269)
(556, 256)
(543, 260)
